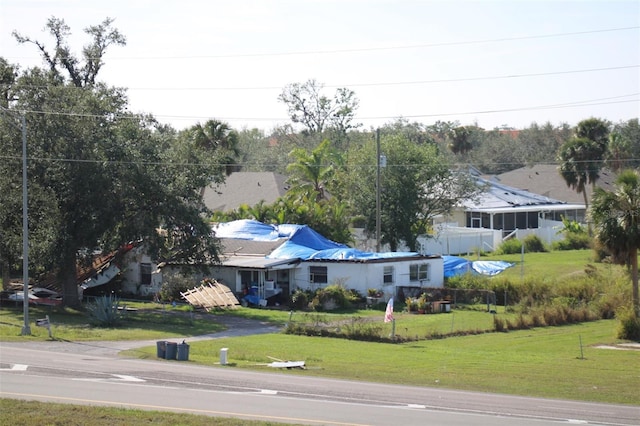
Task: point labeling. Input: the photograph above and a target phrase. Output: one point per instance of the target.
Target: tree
(416, 185)
(624, 146)
(580, 163)
(306, 105)
(311, 173)
(616, 217)
(81, 72)
(596, 130)
(459, 142)
(112, 176)
(218, 137)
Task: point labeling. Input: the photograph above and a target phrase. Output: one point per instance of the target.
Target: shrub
(300, 299)
(334, 296)
(104, 311)
(498, 324)
(533, 244)
(510, 246)
(628, 325)
(573, 241)
(173, 286)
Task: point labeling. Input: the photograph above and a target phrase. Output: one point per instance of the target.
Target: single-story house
(280, 259)
(499, 212)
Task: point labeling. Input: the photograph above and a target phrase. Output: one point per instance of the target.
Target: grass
(553, 362)
(155, 321)
(16, 412)
(544, 362)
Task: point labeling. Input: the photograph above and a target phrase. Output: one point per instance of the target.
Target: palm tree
(616, 215)
(311, 172)
(217, 136)
(580, 164)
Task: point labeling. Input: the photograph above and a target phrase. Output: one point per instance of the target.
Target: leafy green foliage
(173, 285)
(573, 241)
(628, 324)
(334, 296)
(533, 244)
(105, 175)
(510, 246)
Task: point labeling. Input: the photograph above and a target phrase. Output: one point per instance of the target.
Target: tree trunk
(69, 281)
(6, 274)
(586, 208)
(634, 281)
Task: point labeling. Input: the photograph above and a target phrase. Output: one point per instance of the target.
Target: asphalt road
(93, 373)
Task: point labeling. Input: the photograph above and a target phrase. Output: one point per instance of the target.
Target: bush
(300, 300)
(334, 296)
(173, 285)
(533, 244)
(573, 241)
(629, 324)
(510, 246)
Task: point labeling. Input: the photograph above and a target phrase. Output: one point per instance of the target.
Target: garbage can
(183, 351)
(172, 350)
(161, 347)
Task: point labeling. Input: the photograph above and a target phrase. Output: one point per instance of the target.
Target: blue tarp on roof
(300, 241)
(454, 265)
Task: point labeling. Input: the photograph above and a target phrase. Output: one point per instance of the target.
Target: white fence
(455, 240)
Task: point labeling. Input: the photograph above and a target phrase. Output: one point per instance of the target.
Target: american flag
(388, 314)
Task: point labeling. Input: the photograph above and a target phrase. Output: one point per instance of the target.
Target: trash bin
(183, 351)
(172, 350)
(161, 347)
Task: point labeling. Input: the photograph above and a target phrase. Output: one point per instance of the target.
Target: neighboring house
(499, 212)
(545, 179)
(248, 188)
(280, 259)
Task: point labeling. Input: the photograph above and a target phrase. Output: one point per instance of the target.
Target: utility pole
(378, 225)
(26, 329)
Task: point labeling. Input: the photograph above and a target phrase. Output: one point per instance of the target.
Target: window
(419, 272)
(145, 273)
(387, 275)
(318, 274)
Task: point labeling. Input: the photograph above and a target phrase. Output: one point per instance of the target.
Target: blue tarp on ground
(454, 265)
(302, 242)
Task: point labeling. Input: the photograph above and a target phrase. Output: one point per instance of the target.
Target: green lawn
(544, 362)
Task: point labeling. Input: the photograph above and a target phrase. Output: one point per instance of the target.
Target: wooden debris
(211, 296)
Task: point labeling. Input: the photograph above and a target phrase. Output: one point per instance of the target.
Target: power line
(383, 48)
(574, 104)
(375, 84)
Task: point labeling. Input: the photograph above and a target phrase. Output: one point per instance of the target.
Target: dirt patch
(621, 347)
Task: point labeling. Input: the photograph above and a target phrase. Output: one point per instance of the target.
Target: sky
(489, 63)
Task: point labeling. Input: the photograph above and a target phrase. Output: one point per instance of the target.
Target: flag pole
(393, 329)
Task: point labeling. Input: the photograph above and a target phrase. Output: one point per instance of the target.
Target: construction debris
(278, 363)
(211, 296)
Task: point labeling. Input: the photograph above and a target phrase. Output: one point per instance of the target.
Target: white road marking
(16, 367)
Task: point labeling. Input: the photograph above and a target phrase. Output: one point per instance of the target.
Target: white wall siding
(361, 276)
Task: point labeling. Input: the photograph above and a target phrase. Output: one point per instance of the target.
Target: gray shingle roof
(245, 188)
(545, 179)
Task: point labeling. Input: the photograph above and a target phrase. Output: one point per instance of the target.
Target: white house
(280, 259)
(501, 211)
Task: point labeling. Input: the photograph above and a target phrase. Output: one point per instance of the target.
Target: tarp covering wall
(299, 241)
(454, 265)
